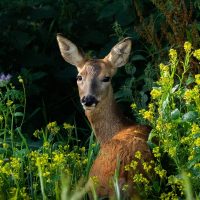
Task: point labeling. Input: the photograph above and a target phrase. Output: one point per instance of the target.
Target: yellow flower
(197, 79)
(9, 102)
(196, 54)
(172, 151)
(139, 178)
(134, 164)
(164, 68)
(197, 142)
(133, 106)
(53, 128)
(1, 118)
(187, 47)
(156, 152)
(195, 128)
(148, 115)
(68, 126)
(172, 55)
(188, 96)
(155, 93)
(58, 158)
(46, 145)
(146, 166)
(37, 133)
(138, 155)
(125, 187)
(161, 172)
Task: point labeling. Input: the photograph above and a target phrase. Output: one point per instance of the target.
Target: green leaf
(190, 80)
(19, 114)
(137, 57)
(190, 116)
(175, 114)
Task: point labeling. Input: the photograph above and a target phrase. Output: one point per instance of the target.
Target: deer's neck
(106, 119)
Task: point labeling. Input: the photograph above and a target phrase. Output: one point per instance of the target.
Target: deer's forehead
(95, 68)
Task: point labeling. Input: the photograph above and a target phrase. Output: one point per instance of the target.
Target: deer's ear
(70, 52)
(119, 54)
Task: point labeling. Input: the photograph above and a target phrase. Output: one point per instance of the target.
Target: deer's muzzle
(89, 101)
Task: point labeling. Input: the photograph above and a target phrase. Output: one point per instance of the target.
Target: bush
(174, 114)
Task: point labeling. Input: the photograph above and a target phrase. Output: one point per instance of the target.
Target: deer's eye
(106, 79)
(79, 78)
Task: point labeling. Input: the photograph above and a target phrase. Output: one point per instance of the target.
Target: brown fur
(119, 138)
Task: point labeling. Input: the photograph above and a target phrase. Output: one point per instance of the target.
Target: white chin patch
(89, 107)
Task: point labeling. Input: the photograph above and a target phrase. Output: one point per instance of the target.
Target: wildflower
(156, 152)
(68, 126)
(172, 151)
(133, 106)
(187, 47)
(134, 164)
(94, 180)
(146, 166)
(196, 54)
(195, 129)
(169, 196)
(37, 133)
(148, 115)
(53, 128)
(20, 79)
(188, 96)
(155, 93)
(139, 178)
(164, 68)
(125, 187)
(9, 103)
(197, 79)
(138, 155)
(172, 55)
(4, 79)
(197, 142)
(46, 145)
(197, 165)
(58, 158)
(161, 172)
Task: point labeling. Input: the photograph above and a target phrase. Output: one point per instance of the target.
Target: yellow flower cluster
(156, 152)
(173, 55)
(195, 128)
(9, 102)
(139, 178)
(11, 168)
(156, 93)
(192, 94)
(138, 155)
(196, 54)
(161, 172)
(169, 196)
(53, 127)
(187, 47)
(197, 79)
(147, 167)
(68, 126)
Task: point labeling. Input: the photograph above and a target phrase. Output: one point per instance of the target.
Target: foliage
(52, 170)
(174, 115)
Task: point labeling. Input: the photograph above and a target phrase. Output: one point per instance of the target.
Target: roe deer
(119, 138)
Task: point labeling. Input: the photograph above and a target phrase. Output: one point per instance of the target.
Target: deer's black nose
(89, 100)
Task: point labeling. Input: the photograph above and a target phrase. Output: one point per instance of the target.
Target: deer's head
(94, 75)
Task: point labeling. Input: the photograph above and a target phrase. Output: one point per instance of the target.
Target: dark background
(29, 48)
